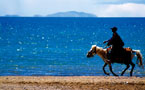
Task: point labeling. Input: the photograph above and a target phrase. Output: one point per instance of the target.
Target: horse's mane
(93, 46)
(100, 51)
(98, 48)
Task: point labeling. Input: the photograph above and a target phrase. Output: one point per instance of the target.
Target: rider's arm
(105, 41)
(108, 40)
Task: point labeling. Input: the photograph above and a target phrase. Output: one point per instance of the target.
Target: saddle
(128, 49)
(120, 55)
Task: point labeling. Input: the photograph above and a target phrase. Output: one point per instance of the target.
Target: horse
(127, 60)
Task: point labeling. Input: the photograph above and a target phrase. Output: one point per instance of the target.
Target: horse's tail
(139, 57)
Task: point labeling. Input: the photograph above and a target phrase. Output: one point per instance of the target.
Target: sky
(101, 8)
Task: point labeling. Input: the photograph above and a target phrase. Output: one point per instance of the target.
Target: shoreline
(71, 83)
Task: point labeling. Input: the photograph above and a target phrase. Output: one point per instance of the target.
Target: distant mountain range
(61, 14)
(10, 16)
(71, 14)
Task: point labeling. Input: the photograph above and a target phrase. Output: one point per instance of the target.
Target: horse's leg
(127, 66)
(110, 67)
(133, 65)
(104, 69)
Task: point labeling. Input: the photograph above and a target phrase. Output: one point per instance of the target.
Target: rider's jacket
(115, 41)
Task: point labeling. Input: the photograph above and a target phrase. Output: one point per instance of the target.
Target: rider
(117, 44)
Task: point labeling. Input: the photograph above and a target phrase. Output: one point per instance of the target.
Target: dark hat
(114, 29)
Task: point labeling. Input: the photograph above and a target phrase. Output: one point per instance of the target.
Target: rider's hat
(114, 29)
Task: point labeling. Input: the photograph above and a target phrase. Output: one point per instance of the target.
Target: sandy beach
(71, 83)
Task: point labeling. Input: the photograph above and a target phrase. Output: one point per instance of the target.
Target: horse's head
(92, 51)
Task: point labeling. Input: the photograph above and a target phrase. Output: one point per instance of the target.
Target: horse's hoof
(116, 75)
(130, 75)
(107, 73)
(121, 74)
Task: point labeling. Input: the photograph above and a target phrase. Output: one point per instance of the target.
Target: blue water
(58, 46)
